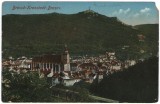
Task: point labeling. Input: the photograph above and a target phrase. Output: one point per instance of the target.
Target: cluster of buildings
(61, 69)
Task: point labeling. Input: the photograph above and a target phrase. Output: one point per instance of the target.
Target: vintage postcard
(80, 52)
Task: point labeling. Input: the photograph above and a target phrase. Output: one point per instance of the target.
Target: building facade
(51, 63)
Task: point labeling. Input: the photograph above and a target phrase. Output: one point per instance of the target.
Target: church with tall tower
(52, 63)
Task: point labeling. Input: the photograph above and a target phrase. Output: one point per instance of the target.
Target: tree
(24, 87)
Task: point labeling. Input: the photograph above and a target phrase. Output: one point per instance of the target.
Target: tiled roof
(87, 65)
(36, 59)
(51, 58)
(103, 67)
(73, 64)
(48, 59)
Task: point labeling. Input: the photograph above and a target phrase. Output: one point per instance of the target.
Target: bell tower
(66, 59)
(66, 55)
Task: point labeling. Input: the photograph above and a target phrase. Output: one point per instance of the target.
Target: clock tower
(66, 59)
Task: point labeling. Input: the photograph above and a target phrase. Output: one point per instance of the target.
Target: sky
(131, 13)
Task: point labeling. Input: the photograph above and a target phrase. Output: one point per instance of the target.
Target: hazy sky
(131, 13)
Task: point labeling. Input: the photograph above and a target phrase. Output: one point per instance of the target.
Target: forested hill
(86, 32)
(151, 33)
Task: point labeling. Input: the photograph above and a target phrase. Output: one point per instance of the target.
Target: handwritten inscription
(35, 8)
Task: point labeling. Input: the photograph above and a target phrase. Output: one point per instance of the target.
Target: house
(24, 63)
(111, 55)
(86, 66)
(129, 63)
(6, 64)
(103, 68)
(74, 67)
(141, 37)
(64, 78)
(70, 82)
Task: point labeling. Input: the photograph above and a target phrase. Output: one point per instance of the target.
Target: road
(103, 99)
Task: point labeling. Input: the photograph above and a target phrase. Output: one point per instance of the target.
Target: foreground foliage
(24, 87)
(136, 84)
(28, 87)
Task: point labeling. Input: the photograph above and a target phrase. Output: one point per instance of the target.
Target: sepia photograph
(79, 52)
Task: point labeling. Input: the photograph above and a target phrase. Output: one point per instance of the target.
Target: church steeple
(66, 59)
(66, 49)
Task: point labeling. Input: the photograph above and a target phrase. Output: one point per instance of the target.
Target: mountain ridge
(84, 33)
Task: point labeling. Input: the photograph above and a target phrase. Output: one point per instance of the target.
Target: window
(37, 65)
(51, 66)
(47, 65)
(57, 68)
